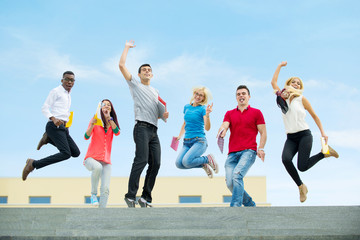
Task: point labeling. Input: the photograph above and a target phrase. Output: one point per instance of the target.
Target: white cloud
(346, 138)
(330, 85)
(190, 70)
(39, 61)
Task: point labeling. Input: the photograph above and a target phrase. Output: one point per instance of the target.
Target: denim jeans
(236, 166)
(61, 139)
(147, 151)
(99, 169)
(190, 154)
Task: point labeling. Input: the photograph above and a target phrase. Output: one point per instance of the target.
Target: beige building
(168, 192)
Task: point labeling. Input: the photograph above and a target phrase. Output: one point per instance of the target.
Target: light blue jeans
(236, 166)
(99, 169)
(190, 154)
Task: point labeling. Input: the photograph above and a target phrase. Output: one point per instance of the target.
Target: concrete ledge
(181, 223)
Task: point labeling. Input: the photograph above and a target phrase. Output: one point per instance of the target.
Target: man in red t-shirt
(244, 123)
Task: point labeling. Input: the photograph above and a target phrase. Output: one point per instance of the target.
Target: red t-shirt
(243, 128)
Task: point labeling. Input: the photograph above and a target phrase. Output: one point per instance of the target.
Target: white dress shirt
(57, 104)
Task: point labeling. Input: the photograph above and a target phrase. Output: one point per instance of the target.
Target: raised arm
(276, 75)
(90, 128)
(309, 108)
(125, 72)
(207, 117)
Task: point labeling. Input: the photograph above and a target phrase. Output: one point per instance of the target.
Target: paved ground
(181, 223)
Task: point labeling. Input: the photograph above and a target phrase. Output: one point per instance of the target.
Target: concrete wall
(72, 191)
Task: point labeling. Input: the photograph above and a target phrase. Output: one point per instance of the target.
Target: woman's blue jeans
(236, 166)
(190, 154)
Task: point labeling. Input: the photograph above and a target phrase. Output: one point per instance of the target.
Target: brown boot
(44, 140)
(303, 191)
(28, 168)
(332, 153)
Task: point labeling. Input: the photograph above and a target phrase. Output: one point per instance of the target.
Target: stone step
(333, 222)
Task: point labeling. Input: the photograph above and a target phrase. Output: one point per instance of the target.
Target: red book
(174, 143)
(162, 101)
(220, 141)
(162, 108)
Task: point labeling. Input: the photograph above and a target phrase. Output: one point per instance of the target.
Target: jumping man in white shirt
(57, 109)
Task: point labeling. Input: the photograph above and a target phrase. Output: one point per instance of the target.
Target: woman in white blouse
(299, 138)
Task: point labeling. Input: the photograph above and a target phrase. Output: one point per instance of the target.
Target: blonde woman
(299, 138)
(196, 119)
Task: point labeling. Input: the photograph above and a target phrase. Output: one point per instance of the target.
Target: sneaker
(332, 153)
(131, 203)
(143, 203)
(94, 200)
(213, 164)
(208, 171)
(303, 191)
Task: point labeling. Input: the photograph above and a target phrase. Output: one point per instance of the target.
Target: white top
(57, 104)
(145, 101)
(294, 119)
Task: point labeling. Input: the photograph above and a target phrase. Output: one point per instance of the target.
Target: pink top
(243, 128)
(100, 145)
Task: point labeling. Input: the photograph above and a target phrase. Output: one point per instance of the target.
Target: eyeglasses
(69, 79)
(199, 95)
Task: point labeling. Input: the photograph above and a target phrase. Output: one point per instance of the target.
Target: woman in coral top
(97, 159)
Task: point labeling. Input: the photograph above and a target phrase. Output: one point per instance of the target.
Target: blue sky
(219, 44)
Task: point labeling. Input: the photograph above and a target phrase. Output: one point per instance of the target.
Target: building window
(39, 200)
(226, 199)
(189, 199)
(3, 200)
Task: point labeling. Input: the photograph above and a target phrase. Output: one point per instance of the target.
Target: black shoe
(131, 203)
(144, 203)
(44, 140)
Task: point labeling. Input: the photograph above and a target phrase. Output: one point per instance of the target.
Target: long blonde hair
(207, 94)
(291, 90)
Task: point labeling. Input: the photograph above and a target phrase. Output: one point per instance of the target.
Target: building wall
(72, 191)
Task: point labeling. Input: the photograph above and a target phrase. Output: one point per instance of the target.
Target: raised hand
(130, 44)
(209, 109)
(93, 121)
(283, 63)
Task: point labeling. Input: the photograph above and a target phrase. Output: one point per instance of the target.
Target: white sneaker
(94, 200)
(213, 164)
(208, 171)
(143, 203)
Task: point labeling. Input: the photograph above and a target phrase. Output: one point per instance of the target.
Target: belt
(188, 139)
(62, 121)
(145, 124)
